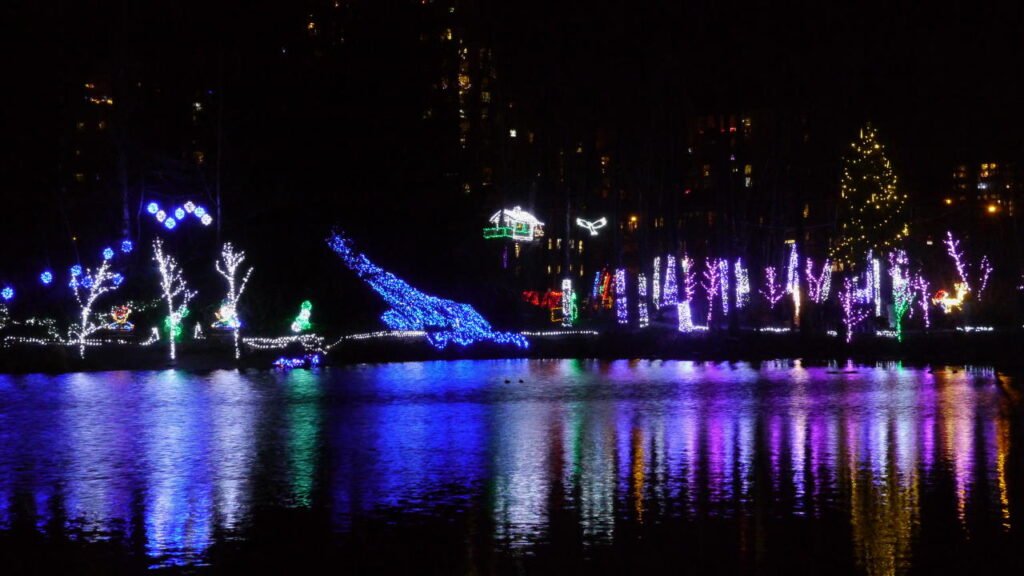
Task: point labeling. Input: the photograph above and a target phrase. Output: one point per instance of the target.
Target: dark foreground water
(514, 466)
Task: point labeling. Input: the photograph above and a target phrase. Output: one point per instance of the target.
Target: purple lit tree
(712, 284)
(819, 286)
(772, 290)
(852, 314)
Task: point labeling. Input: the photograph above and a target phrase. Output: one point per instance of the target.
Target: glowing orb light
(170, 223)
(108, 253)
(179, 213)
(46, 277)
(7, 293)
(152, 208)
(127, 246)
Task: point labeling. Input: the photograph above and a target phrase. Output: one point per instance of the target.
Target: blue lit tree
(444, 321)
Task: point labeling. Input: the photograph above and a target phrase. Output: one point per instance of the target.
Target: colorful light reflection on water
(169, 464)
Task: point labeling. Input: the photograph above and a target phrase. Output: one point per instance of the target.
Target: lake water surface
(515, 466)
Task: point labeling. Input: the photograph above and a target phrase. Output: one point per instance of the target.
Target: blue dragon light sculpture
(444, 321)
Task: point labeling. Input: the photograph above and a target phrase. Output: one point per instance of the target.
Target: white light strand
(561, 333)
(308, 341)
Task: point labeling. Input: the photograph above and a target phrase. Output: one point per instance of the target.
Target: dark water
(459, 467)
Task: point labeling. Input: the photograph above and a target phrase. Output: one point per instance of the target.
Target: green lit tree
(872, 213)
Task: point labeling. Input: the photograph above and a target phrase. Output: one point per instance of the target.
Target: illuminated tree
(87, 286)
(872, 213)
(227, 267)
(902, 289)
(175, 292)
(852, 314)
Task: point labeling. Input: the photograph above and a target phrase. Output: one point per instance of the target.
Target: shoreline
(998, 349)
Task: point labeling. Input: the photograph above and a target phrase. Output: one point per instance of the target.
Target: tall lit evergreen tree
(872, 214)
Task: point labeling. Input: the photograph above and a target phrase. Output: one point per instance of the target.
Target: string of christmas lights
(986, 271)
(953, 249)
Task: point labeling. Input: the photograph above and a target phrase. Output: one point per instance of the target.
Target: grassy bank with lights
(1000, 349)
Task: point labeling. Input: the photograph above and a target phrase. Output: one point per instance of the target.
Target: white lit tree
(227, 266)
(175, 292)
(88, 286)
(689, 288)
(852, 314)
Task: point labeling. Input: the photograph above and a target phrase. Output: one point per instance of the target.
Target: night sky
(312, 142)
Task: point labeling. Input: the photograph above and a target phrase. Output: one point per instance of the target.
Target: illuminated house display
(516, 224)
